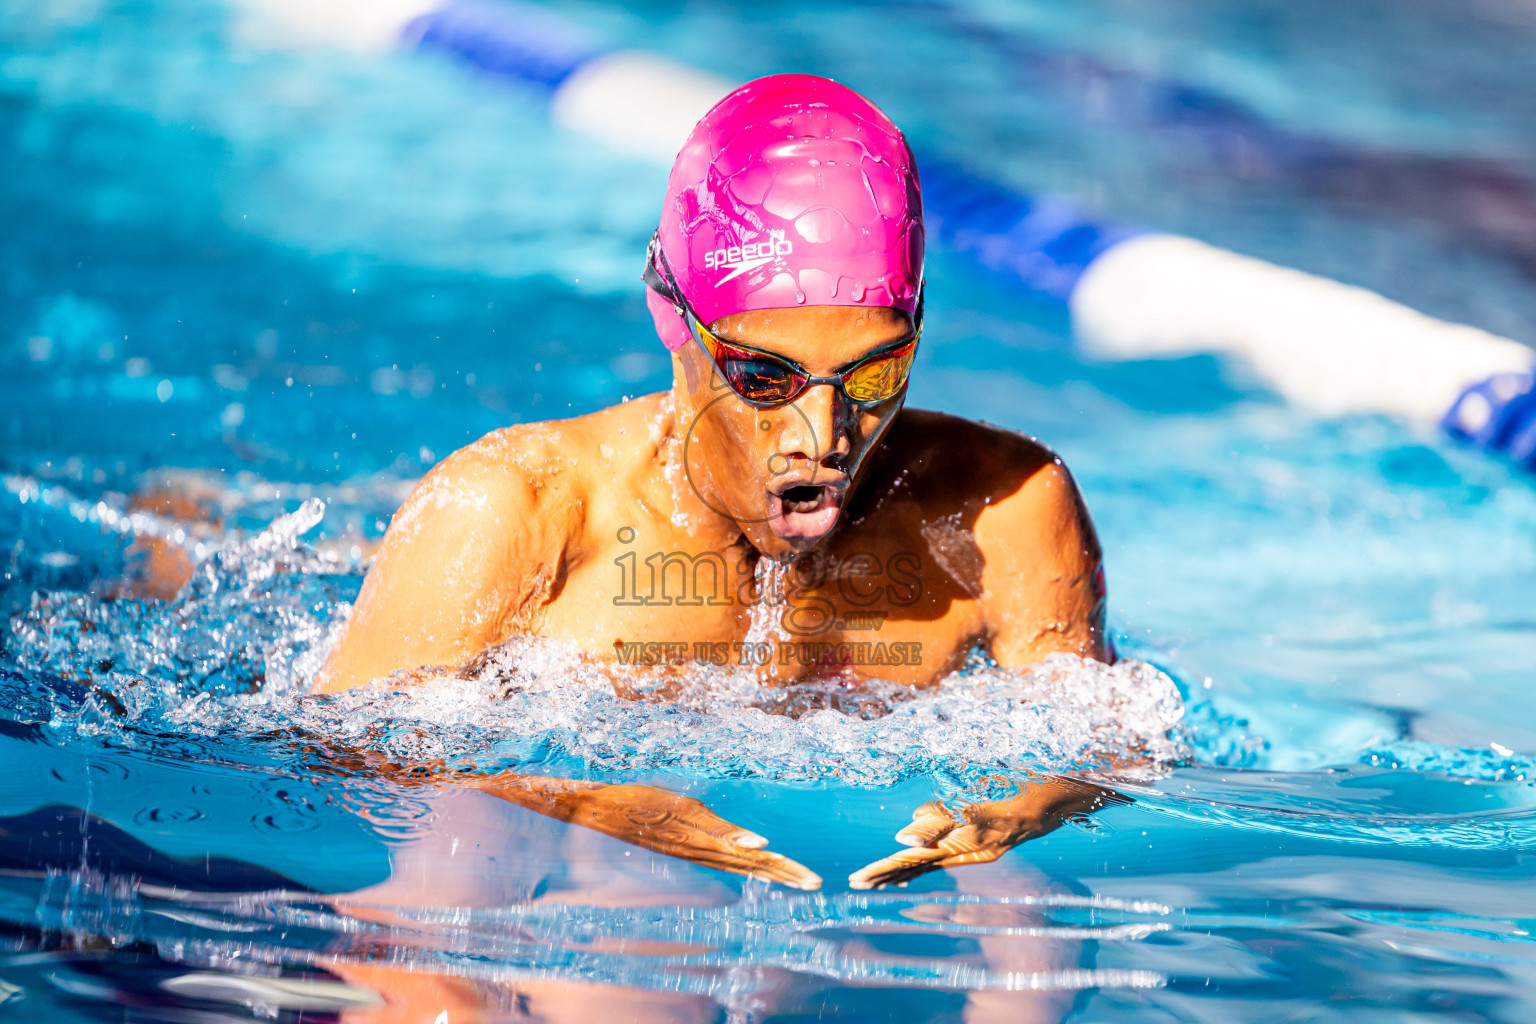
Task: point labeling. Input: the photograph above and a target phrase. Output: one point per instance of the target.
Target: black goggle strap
(667, 287)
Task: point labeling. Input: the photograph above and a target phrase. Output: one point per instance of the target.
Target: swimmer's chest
(879, 607)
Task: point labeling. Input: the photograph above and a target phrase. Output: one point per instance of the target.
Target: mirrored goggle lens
(759, 380)
(879, 378)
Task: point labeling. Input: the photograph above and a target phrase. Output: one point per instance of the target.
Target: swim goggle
(766, 380)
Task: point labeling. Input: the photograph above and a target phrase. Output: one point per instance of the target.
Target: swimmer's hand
(981, 833)
(656, 819)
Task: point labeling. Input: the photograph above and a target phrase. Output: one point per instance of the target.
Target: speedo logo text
(739, 259)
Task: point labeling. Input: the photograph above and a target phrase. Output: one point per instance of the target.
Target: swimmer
(778, 508)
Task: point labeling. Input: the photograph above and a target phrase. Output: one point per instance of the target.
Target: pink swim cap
(791, 191)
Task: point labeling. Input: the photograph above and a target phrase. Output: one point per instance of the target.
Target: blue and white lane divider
(1331, 348)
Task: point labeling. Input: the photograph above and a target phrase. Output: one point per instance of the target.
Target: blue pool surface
(279, 274)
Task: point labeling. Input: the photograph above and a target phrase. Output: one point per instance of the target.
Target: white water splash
(765, 628)
(533, 701)
(235, 650)
(257, 615)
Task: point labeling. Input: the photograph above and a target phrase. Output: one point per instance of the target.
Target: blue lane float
(521, 42)
(1331, 348)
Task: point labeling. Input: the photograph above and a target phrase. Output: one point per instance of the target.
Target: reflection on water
(614, 918)
(598, 940)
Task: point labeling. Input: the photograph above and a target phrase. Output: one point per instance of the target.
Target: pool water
(290, 280)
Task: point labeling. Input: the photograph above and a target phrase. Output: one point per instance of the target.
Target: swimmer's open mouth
(804, 498)
(806, 511)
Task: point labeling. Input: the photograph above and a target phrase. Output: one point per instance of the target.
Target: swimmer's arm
(459, 556)
(656, 819)
(1042, 594)
(1043, 584)
(645, 816)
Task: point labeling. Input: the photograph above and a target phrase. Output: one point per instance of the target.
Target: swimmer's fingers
(930, 822)
(681, 826)
(897, 869)
(982, 832)
(771, 867)
(961, 846)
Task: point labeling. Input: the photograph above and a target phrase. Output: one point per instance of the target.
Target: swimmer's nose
(816, 428)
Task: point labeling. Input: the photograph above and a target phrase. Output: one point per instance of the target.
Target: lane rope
(1327, 347)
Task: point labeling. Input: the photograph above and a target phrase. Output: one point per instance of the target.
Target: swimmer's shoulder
(1042, 581)
(512, 469)
(571, 460)
(542, 477)
(1015, 493)
(473, 555)
(968, 460)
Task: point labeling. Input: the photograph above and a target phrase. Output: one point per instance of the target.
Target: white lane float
(1328, 347)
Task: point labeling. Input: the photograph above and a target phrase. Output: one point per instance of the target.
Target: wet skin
(911, 539)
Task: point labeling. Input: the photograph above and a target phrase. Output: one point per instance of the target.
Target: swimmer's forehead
(833, 335)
